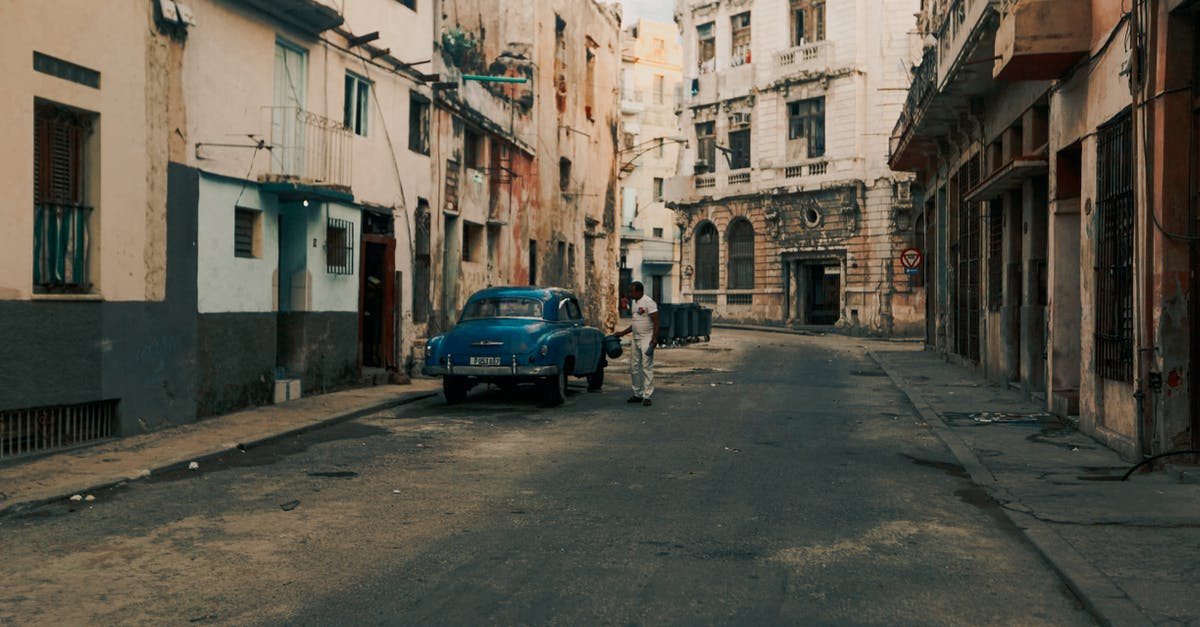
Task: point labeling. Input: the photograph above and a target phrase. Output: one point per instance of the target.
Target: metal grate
(42, 429)
(739, 299)
(339, 246)
(704, 299)
(741, 255)
(708, 265)
(244, 221)
(968, 276)
(995, 255)
(1114, 250)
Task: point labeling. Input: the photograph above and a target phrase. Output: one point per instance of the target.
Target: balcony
(964, 36)
(310, 16)
(61, 247)
(657, 251)
(905, 149)
(308, 150)
(633, 101)
(807, 59)
(1042, 39)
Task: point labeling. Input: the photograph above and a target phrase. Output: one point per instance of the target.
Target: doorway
(824, 298)
(377, 303)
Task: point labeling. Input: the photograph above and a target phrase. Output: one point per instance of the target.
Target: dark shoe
(633, 399)
(646, 402)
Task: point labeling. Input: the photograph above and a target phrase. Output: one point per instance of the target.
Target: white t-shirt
(643, 324)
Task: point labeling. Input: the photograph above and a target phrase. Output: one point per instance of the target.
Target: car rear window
(502, 307)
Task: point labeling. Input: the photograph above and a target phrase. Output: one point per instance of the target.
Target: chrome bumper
(490, 371)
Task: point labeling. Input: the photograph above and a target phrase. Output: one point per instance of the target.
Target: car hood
(509, 336)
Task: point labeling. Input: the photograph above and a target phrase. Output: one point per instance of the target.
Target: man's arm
(653, 334)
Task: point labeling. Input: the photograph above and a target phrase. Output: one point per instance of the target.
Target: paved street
(778, 479)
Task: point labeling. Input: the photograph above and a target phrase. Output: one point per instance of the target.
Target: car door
(589, 350)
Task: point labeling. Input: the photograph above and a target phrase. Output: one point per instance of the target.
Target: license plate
(485, 361)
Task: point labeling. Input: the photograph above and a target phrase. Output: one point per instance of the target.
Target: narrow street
(778, 479)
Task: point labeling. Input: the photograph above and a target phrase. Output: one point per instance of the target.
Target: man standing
(645, 337)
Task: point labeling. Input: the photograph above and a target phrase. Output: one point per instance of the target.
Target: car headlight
(544, 350)
(428, 351)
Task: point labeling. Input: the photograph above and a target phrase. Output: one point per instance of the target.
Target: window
(291, 86)
(739, 146)
(658, 189)
(1114, 250)
(560, 65)
(354, 109)
(418, 123)
(659, 82)
(706, 147)
(658, 148)
(739, 51)
(247, 233)
(995, 227)
(339, 246)
(808, 21)
(472, 149)
(472, 242)
(412, 4)
(569, 310)
(806, 124)
(707, 46)
(741, 255)
(564, 174)
(658, 232)
(707, 262)
(658, 45)
(589, 85)
(61, 225)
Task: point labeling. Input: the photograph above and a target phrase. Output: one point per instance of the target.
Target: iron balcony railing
(923, 84)
(61, 246)
(309, 148)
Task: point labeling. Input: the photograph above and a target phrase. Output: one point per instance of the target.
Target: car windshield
(502, 307)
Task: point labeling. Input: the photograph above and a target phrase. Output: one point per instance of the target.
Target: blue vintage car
(514, 335)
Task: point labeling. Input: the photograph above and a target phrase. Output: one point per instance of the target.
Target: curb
(404, 399)
(810, 332)
(1103, 599)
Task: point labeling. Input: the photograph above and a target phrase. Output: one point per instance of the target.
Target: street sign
(911, 259)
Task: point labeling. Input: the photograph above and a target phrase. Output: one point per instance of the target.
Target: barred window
(995, 225)
(741, 255)
(1114, 250)
(339, 246)
(708, 268)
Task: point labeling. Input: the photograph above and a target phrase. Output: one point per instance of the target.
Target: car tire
(554, 389)
(596, 379)
(455, 389)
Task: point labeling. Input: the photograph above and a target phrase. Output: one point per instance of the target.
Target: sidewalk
(1129, 550)
(811, 330)
(24, 485)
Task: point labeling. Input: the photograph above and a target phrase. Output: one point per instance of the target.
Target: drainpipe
(1146, 349)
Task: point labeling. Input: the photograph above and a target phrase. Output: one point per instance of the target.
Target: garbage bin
(666, 323)
(679, 331)
(705, 323)
(694, 323)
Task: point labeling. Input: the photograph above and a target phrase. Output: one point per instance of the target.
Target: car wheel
(596, 379)
(554, 389)
(455, 389)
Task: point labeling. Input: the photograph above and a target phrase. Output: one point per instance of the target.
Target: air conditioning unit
(703, 164)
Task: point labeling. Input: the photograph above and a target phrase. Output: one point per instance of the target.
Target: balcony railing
(923, 85)
(738, 178)
(811, 57)
(309, 148)
(706, 181)
(61, 246)
(804, 170)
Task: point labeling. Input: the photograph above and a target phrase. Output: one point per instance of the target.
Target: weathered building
(790, 213)
(649, 148)
(217, 186)
(525, 176)
(1055, 211)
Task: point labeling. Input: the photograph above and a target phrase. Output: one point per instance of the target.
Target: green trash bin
(705, 323)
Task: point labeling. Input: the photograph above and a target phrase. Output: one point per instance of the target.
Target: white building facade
(789, 212)
(649, 152)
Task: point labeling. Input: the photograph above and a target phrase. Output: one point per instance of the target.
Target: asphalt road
(777, 480)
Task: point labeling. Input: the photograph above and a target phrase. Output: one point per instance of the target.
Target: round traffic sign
(911, 258)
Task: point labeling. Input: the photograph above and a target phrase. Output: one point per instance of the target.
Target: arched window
(708, 266)
(741, 255)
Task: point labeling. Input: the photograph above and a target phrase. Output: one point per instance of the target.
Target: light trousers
(641, 367)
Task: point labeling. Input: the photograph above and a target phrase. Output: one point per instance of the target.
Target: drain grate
(41, 429)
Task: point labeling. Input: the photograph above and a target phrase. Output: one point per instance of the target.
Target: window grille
(967, 275)
(739, 299)
(39, 429)
(708, 267)
(704, 299)
(339, 246)
(741, 255)
(1114, 251)
(245, 222)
